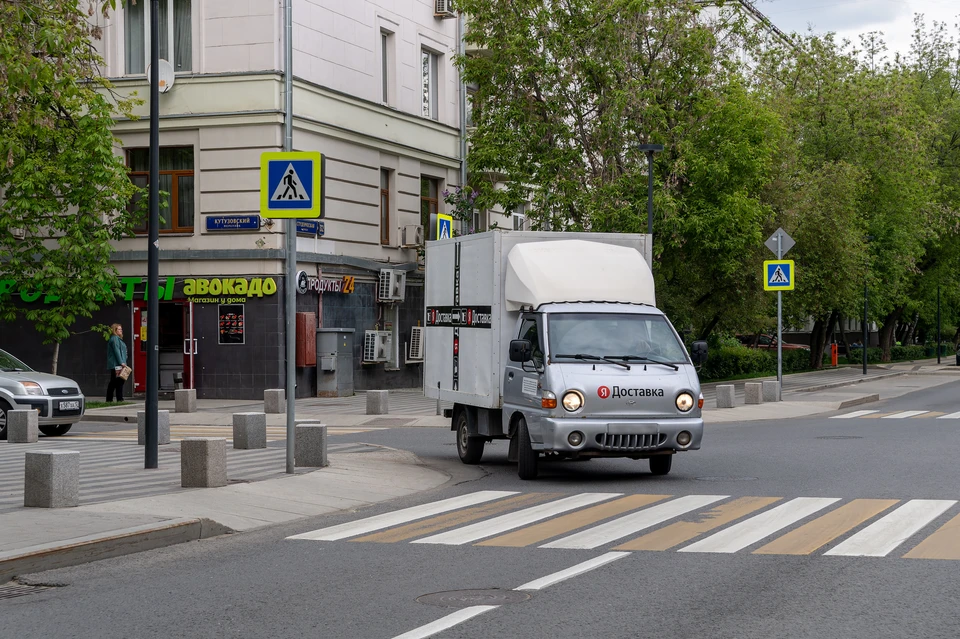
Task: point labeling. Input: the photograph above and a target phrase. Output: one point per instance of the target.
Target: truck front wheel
(469, 448)
(660, 465)
(526, 455)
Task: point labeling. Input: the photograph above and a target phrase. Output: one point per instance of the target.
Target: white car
(58, 400)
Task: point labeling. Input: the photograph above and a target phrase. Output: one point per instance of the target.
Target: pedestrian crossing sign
(444, 227)
(291, 184)
(778, 275)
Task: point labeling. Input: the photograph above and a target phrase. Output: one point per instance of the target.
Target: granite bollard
(274, 401)
(51, 479)
(753, 393)
(310, 447)
(185, 400)
(22, 426)
(771, 391)
(163, 427)
(378, 402)
(203, 462)
(725, 396)
(249, 430)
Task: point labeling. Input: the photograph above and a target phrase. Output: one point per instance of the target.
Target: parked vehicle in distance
(768, 342)
(57, 400)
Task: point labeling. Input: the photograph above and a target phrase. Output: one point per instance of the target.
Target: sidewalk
(126, 509)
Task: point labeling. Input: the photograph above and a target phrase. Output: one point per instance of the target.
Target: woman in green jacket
(116, 360)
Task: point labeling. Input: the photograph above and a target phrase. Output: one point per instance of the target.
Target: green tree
(65, 191)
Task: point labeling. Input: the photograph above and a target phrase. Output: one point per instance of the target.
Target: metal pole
(780, 325)
(866, 327)
(938, 323)
(151, 437)
(463, 118)
(289, 290)
(650, 192)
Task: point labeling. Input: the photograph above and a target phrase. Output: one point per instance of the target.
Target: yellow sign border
(315, 211)
(440, 218)
(793, 275)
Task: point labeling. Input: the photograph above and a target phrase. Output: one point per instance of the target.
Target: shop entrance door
(178, 345)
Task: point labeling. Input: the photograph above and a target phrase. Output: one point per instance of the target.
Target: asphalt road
(819, 472)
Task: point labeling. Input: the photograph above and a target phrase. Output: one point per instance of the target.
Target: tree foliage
(64, 190)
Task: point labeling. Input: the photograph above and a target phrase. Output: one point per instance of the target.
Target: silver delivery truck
(554, 341)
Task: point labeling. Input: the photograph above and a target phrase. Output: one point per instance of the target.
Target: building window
(471, 95)
(176, 180)
(386, 54)
(385, 207)
(479, 225)
(429, 71)
(176, 37)
(518, 217)
(429, 204)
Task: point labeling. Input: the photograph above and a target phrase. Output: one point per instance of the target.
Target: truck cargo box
(475, 288)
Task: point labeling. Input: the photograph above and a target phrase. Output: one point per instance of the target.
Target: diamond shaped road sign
(786, 242)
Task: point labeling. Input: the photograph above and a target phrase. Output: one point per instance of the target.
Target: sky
(849, 18)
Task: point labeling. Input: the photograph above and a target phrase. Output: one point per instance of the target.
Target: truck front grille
(630, 442)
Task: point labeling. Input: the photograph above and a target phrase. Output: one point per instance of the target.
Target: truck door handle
(509, 375)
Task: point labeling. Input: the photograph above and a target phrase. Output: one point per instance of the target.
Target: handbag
(124, 372)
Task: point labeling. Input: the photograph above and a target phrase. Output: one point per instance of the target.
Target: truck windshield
(616, 335)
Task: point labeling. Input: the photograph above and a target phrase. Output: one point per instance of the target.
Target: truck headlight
(32, 388)
(572, 401)
(684, 402)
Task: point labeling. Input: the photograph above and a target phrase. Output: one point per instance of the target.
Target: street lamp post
(866, 325)
(650, 149)
(151, 426)
(938, 323)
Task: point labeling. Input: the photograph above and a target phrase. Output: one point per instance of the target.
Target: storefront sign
(233, 222)
(228, 289)
(310, 228)
(307, 283)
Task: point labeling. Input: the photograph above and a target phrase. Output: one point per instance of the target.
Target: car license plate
(69, 405)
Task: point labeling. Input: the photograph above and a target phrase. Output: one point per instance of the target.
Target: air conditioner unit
(376, 346)
(412, 236)
(444, 9)
(415, 348)
(392, 286)
(18, 233)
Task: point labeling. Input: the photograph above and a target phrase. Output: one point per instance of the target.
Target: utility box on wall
(335, 357)
(306, 340)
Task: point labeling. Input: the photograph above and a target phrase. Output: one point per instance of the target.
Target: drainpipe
(461, 27)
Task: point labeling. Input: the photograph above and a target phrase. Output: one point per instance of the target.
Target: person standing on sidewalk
(116, 361)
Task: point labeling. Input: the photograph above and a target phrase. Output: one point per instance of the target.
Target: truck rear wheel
(526, 456)
(660, 465)
(469, 448)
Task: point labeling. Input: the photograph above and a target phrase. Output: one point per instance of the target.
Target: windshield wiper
(13, 370)
(584, 356)
(641, 358)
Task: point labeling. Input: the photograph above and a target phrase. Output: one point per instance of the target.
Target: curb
(125, 541)
(857, 401)
(811, 389)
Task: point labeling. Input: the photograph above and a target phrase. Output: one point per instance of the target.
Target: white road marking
(579, 569)
(386, 520)
(629, 524)
(882, 537)
(905, 414)
(950, 416)
(497, 525)
(749, 532)
(445, 623)
(856, 413)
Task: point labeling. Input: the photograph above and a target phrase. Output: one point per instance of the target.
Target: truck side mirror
(699, 354)
(521, 351)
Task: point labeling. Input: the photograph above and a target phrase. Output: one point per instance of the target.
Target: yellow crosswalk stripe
(929, 414)
(682, 531)
(823, 530)
(449, 520)
(942, 544)
(566, 523)
(893, 412)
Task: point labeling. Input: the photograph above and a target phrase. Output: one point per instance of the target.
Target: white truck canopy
(576, 271)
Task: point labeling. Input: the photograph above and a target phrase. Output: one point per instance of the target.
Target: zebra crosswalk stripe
(515, 520)
(882, 537)
(950, 416)
(822, 530)
(758, 527)
(856, 413)
(635, 522)
(905, 414)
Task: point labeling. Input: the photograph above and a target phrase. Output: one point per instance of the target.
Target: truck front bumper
(620, 438)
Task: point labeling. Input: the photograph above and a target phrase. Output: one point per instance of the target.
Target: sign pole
(780, 326)
(151, 425)
(289, 288)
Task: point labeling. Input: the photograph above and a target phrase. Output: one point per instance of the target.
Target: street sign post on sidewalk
(779, 276)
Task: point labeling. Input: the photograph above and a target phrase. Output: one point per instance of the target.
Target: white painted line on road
(749, 532)
(856, 413)
(497, 525)
(905, 414)
(950, 416)
(406, 515)
(629, 524)
(445, 623)
(879, 539)
(579, 569)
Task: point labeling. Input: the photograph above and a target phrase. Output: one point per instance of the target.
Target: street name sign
(291, 184)
(778, 275)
